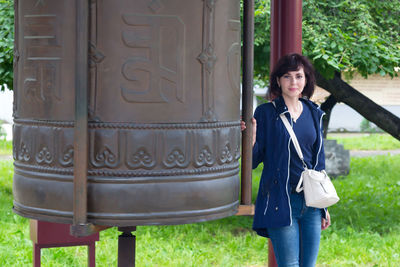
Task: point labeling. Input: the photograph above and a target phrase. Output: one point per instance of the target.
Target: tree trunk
(373, 112)
(327, 107)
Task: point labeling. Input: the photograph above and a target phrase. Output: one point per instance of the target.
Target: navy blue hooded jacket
(272, 147)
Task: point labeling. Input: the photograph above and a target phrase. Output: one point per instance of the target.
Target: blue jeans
(298, 244)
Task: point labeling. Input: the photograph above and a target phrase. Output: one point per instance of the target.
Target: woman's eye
(300, 77)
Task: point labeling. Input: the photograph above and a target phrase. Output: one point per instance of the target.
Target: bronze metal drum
(163, 110)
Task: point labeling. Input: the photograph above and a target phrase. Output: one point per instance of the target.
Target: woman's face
(292, 83)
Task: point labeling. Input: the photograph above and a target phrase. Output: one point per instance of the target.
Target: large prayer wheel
(163, 110)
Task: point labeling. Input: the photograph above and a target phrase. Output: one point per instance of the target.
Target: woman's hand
(242, 125)
(325, 223)
(254, 128)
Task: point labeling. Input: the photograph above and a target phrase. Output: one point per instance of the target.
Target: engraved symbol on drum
(40, 86)
(42, 58)
(151, 78)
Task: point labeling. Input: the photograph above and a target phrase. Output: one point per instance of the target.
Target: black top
(306, 134)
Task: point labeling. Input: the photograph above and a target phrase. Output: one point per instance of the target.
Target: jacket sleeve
(259, 146)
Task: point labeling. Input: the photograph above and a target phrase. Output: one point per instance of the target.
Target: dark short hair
(291, 62)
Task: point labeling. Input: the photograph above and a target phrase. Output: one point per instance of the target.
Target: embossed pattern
(111, 148)
(208, 58)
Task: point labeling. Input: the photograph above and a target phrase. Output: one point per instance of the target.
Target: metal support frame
(50, 235)
(80, 226)
(247, 100)
(286, 26)
(126, 247)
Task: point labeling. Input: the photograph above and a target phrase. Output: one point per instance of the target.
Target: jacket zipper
(288, 175)
(287, 178)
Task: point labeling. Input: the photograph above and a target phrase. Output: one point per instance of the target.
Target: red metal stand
(286, 26)
(48, 235)
(271, 255)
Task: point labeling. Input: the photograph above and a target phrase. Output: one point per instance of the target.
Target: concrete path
(369, 153)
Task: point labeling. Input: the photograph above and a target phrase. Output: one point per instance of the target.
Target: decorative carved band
(133, 126)
(62, 124)
(166, 173)
(168, 150)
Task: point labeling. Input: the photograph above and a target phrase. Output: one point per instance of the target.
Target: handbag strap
(294, 138)
(289, 128)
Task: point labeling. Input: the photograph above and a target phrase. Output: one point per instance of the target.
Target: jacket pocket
(264, 186)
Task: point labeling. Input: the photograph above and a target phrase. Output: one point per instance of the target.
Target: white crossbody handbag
(319, 191)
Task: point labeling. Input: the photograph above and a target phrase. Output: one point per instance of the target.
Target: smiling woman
(292, 85)
(281, 213)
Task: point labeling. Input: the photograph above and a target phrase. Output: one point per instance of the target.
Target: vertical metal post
(81, 120)
(286, 28)
(275, 46)
(126, 247)
(247, 100)
(286, 35)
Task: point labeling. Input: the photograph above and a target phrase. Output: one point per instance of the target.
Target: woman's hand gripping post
(254, 126)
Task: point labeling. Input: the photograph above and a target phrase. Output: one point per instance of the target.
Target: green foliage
(262, 33)
(366, 141)
(340, 35)
(5, 147)
(6, 43)
(349, 35)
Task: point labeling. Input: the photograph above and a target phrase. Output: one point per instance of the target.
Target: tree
(6, 43)
(343, 37)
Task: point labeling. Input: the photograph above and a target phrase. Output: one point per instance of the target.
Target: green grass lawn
(365, 229)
